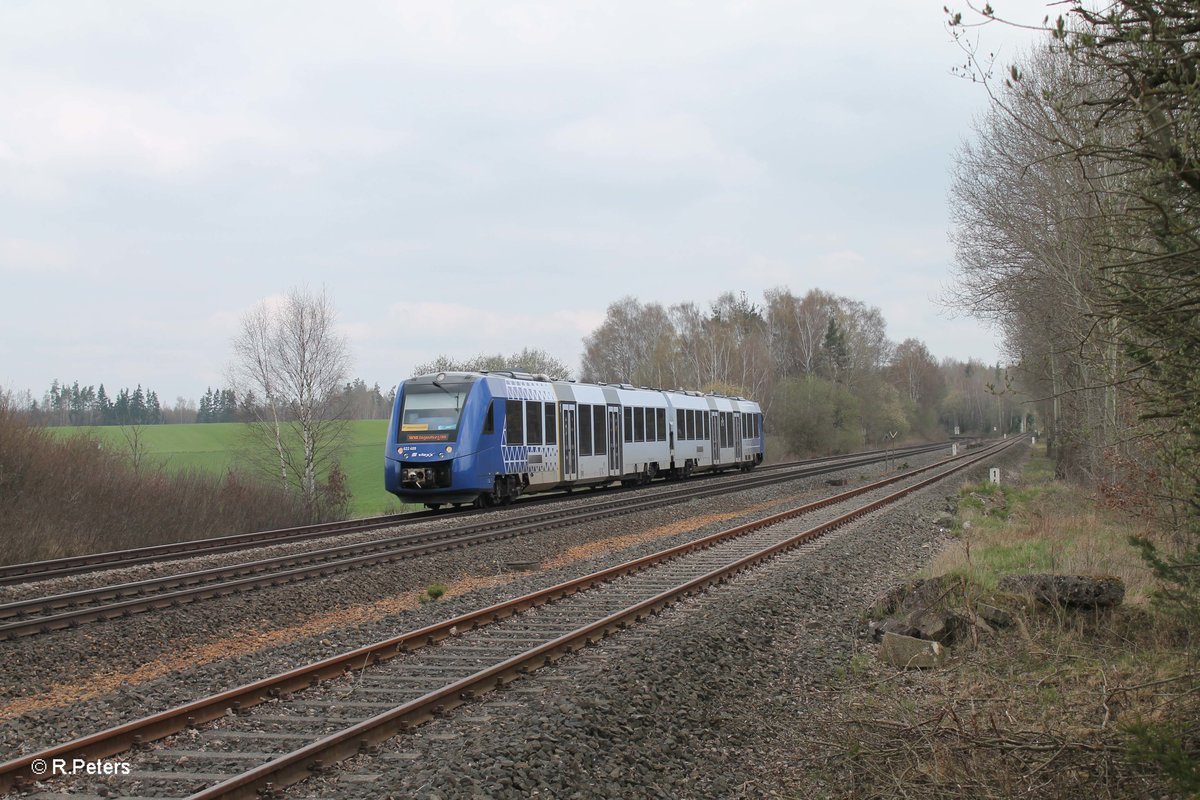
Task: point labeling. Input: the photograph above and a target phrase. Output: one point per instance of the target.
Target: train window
(679, 424)
(639, 424)
(628, 424)
(661, 414)
(533, 422)
(757, 429)
(745, 427)
(688, 431)
(601, 430)
(707, 417)
(514, 422)
(650, 436)
(551, 425)
(727, 424)
(489, 420)
(585, 430)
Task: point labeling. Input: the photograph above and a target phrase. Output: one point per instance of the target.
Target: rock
(911, 653)
(914, 596)
(890, 625)
(941, 626)
(996, 617)
(1070, 591)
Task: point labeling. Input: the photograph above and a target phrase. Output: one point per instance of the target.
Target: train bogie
(486, 438)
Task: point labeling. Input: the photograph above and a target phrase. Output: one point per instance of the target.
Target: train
(486, 438)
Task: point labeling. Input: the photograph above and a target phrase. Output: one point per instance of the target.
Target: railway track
(41, 615)
(279, 730)
(116, 559)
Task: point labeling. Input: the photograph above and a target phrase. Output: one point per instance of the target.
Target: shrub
(62, 497)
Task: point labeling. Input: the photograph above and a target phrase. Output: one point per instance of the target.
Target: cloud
(677, 142)
(414, 332)
(25, 255)
(448, 320)
(64, 125)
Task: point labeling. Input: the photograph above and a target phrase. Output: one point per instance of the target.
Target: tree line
(821, 365)
(91, 405)
(73, 404)
(1077, 229)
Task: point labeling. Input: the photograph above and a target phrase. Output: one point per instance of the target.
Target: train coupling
(420, 476)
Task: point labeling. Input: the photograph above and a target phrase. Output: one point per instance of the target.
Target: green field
(216, 447)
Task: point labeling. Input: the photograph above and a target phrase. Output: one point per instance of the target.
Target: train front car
(441, 439)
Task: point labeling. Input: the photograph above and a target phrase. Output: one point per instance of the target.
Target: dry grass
(191, 655)
(1042, 525)
(1046, 712)
(1066, 704)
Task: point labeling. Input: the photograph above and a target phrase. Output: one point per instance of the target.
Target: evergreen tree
(229, 406)
(104, 407)
(137, 406)
(121, 408)
(153, 409)
(205, 412)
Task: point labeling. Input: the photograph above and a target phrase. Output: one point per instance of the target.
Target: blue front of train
(443, 441)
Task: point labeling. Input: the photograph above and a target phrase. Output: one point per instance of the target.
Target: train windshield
(431, 413)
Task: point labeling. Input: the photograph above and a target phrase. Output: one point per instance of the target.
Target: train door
(570, 443)
(738, 433)
(714, 418)
(614, 441)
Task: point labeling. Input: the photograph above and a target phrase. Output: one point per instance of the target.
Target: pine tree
(205, 412)
(121, 408)
(104, 406)
(229, 405)
(153, 409)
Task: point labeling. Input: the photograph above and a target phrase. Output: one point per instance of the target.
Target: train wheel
(433, 506)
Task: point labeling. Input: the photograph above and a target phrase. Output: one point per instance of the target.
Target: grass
(218, 447)
(1100, 704)
(433, 592)
(1041, 525)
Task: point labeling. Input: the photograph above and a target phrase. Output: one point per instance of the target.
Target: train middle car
(485, 438)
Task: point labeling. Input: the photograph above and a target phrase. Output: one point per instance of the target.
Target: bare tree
(289, 358)
(135, 440)
(533, 360)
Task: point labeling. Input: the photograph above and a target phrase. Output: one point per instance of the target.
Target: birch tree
(291, 360)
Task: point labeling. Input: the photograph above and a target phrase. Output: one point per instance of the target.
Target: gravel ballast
(701, 701)
(905, 540)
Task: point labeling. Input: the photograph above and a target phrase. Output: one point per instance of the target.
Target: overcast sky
(461, 177)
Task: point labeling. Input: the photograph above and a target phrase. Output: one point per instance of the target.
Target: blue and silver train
(485, 438)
